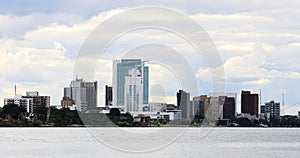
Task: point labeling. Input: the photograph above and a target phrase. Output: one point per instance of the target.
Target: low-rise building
(165, 116)
(23, 102)
(67, 102)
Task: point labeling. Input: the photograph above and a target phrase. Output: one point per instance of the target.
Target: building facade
(272, 109)
(198, 105)
(133, 91)
(229, 108)
(213, 109)
(32, 93)
(262, 109)
(67, 102)
(23, 102)
(130, 78)
(84, 94)
(120, 71)
(37, 100)
(183, 104)
(227, 104)
(249, 103)
(108, 95)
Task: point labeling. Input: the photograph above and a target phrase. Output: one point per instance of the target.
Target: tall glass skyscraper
(121, 69)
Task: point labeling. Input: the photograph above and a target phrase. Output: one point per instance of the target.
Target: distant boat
(262, 125)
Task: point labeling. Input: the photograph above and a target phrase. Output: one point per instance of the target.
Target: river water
(149, 142)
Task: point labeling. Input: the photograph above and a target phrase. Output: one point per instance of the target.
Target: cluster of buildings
(207, 108)
(80, 93)
(31, 101)
(130, 92)
(211, 108)
(249, 104)
(218, 106)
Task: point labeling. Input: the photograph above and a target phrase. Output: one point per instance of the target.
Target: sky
(258, 42)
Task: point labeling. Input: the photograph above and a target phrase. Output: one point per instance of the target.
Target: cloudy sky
(258, 42)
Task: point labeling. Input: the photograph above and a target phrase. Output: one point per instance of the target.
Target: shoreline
(134, 127)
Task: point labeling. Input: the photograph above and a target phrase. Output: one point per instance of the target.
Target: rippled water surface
(149, 142)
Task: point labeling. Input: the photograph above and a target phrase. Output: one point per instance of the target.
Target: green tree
(274, 121)
(64, 117)
(14, 111)
(243, 122)
(41, 113)
(115, 112)
(288, 121)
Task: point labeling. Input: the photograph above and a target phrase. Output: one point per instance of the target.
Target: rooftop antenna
(260, 96)
(283, 103)
(259, 107)
(15, 90)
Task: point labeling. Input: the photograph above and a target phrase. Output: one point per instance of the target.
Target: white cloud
(41, 57)
(250, 66)
(39, 69)
(259, 82)
(257, 43)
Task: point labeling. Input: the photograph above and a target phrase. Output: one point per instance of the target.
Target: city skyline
(140, 78)
(76, 94)
(260, 62)
(170, 101)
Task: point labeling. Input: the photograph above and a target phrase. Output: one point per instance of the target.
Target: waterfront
(194, 142)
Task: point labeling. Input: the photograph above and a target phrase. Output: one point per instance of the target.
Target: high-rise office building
(129, 70)
(133, 91)
(272, 109)
(221, 106)
(183, 103)
(84, 94)
(229, 108)
(91, 94)
(197, 106)
(249, 103)
(108, 95)
(213, 109)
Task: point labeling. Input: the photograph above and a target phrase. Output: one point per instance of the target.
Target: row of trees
(285, 121)
(282, 121)
(14, 115)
